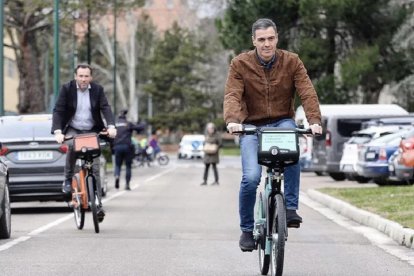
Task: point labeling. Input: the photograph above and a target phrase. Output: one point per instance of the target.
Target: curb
(403, 236)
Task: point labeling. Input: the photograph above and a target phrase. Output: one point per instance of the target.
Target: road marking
(376, 237)
(54, 223)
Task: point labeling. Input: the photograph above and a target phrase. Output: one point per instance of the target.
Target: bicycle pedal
(294, 225)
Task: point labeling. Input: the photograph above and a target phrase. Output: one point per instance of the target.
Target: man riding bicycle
(260, 91)
(78, 110)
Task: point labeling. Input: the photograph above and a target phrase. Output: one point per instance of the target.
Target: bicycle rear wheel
(264, 260)
(93, 199)
(278, 236)
(78, 211)
(163, 160)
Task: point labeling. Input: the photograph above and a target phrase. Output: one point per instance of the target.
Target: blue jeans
(252, 173)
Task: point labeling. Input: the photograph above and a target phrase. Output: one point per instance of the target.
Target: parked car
(5, 211)
(305, 159)
(34, 159)
(374, 156)
(407, 120)
(338, 123)
(398, 171)
(191, 146)
(348, 163)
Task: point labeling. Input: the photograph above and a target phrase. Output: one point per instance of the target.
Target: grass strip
(395, 203)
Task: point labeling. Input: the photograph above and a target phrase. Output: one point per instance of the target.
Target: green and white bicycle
(278, 148)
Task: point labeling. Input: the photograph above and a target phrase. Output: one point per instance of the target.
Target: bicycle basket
(278, 147)
(86, 145)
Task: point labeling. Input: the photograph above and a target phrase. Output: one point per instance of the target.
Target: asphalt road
(170, 225)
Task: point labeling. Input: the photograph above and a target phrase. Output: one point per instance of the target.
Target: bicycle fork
(274, 181)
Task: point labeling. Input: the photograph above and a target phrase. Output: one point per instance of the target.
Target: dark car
(5, 212)
(34, 159)
(374, 156)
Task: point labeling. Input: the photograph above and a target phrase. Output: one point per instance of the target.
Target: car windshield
(390, 137)
(21, 129)
(359, 139)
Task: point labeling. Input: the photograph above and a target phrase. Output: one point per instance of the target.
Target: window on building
(148, 3)
(170, 4)
(10, 67)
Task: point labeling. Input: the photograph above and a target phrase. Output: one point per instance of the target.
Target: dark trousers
(123, 152)
(207, 166)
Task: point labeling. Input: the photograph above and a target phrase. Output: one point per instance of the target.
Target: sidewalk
(403, 236)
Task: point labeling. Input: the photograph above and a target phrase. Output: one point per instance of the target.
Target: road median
(402, 235)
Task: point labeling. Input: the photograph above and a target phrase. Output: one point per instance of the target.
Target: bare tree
(24, 23)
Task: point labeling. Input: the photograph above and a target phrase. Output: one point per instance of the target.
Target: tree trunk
(31, 86)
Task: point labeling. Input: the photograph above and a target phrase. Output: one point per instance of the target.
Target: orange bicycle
(84, 186)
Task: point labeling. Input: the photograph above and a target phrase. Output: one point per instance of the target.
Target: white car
(191, 146)
(348, 163)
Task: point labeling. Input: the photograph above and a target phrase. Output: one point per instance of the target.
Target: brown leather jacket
(258, 96)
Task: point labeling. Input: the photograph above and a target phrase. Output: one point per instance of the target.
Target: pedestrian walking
(212, 145)
(123, 147)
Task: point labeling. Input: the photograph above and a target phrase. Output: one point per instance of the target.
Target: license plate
(370, 155)
(34, 155)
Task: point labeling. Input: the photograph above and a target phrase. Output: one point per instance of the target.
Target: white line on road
(54, 223)
(376, 237)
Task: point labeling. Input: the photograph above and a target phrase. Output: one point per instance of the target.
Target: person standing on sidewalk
(260, 90)
(124, 148)
(212, 145)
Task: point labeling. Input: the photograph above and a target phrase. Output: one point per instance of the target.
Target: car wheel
(381, 181)
(361, 179)
(5, 219)
(319, 173)
(337, 176)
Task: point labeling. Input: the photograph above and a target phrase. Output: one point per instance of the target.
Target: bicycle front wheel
(93, 199)
(278, 236)
(264, 259)
(78, 211)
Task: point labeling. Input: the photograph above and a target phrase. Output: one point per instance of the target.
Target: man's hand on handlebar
(234, 127)
(316, 129)
(59, 137)
(111, 132)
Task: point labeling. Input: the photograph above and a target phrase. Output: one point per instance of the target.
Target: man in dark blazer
(79, 109)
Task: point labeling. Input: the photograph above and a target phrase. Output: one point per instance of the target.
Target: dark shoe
(67, 186)
(117, 183)
(100, 214)
(215, 183)
(293, 220)
(127, 188)
(203, 183)
(247, 242)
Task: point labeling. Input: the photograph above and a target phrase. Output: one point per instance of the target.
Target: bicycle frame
(84, 173)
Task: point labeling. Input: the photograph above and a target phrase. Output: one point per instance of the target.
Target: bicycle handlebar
(102, 134)
(251, 130)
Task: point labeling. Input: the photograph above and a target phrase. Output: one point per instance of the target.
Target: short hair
(83, 66)
(262, 24)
